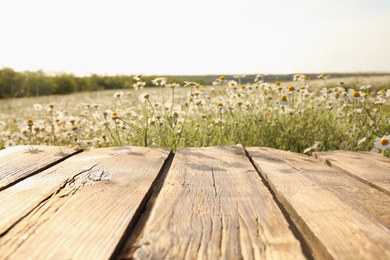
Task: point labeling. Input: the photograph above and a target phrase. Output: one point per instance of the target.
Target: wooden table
(199, 203)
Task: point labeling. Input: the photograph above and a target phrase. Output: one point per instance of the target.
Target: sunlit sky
(160, 37)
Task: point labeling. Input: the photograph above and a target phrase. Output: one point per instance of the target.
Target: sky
(173, 37)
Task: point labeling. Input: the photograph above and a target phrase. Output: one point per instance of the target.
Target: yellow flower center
(337, 94)
(291, 88)
(172, 86)
(219, 104)
(323, 75)
(242, 87)
(384, 141)
(356, 94)
(74, 128)
(30, 122)
(212, 122)
(284, 98)
(239, 76)
(277, 83)
(305, 78)
(222, 78)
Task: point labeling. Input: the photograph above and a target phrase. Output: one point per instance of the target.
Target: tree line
(26, 84)
(37, 83)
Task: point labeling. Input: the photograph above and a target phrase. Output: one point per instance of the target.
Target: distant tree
(65, 84)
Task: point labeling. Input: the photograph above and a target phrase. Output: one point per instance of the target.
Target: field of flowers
(300, 116)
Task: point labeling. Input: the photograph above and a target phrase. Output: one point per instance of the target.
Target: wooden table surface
(200, 203)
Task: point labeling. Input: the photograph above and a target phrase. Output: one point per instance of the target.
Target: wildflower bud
(114, 116)
(356, 94)
(30, 122)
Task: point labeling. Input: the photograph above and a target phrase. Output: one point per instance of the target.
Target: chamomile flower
(342, 83)
(323, 76)
(232, 83)
(297, 76)
(382, 143)
(316, 146)
(117, 95)
(365, 87)
(189, 83)
(355, 95)
(220, 106)
(38, 107)
(172, 85)
(159, 81)
(284, 101)
(114, 115)
(138, 77)
(145, 96)
(30, 123)
(304, 79)
(76, 129)
(220, 80)
(139, 85)
(292, 89)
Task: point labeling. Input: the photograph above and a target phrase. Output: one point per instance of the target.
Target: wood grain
(339, 217)
(213, 205)
(81, 208)
(19, 162)
(370, 168)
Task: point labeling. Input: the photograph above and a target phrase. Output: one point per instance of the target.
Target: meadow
(302, 115)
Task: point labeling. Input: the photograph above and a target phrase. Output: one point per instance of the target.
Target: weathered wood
(214, 205)
(81, 208)
(19, 162)
(332, 210)
(370, 168)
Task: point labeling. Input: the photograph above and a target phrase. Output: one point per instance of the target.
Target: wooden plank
(81, 208)
(339, 217)
(213, 205)
(19, 162)
(370, 168)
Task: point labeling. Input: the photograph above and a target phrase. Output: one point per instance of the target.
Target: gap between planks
(267, 246)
